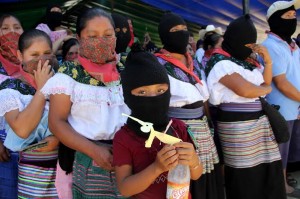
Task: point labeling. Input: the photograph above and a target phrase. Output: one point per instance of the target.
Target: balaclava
(284, 28)
(53, 19)
(122, 32)
(239, 32)
(143, 69)
(174, 42)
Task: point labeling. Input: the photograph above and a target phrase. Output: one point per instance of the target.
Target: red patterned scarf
(166, 55)
(8, 53)
(27, 77)
(105, 73)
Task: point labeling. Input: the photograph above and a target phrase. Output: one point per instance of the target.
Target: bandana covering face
(99, 50)
(8, 52)
(27, 68)
(31, 65)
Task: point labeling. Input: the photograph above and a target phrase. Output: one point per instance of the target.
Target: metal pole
(245, 7)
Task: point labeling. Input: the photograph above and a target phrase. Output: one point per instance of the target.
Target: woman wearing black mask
(52, 26)
(123, 38)
(188, 95)
(285, 54)
(251, 155)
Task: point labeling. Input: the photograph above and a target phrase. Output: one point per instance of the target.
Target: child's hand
(52, 144)
(187, 154)
(42, 74)
(166, 158)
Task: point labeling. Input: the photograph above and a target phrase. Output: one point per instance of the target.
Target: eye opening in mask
(150, 90)
(178, 28)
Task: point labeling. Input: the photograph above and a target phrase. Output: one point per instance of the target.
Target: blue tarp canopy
(217, 12)
(146, 14)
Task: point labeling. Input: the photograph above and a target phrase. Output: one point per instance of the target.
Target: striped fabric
(92, 182)
(248, 143)
(241, 107)
(38, 156)
(36, 181)
(206, 148)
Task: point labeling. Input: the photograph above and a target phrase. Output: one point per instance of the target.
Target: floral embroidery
(77, 72)
(18, 85)
(218, 57)
(62, 69)
(93, 82)
(181, 75)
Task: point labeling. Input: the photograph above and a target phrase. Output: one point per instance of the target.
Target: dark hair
(211, 40)
(28, 36)
(4, 16)
(67, 45)
(90, 14)
(199, 43)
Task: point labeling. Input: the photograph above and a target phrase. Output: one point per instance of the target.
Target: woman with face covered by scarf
(86, 103)
(10, 30)
(253, 167)
(26, 114)
(188, 95)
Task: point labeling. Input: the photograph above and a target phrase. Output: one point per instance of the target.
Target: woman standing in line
(253, 167)
(26, 115)
(188, 95)
(10, 31)
(86, 103)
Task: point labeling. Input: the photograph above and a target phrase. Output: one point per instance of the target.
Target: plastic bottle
(178, 182)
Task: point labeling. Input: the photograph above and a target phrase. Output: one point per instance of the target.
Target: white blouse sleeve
(58, 84)
(10, 100)
(220, 93)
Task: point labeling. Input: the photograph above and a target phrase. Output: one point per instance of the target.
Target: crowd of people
(63, 133)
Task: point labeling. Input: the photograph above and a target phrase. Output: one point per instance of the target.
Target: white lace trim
(221, 94)
(83, 93)
(11, 100)
(58, 84)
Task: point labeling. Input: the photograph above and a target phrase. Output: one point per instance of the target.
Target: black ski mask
(122, 32)
(284, 28)
(174, 42)
(143, 69)
(53, 19)
(239, 32)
